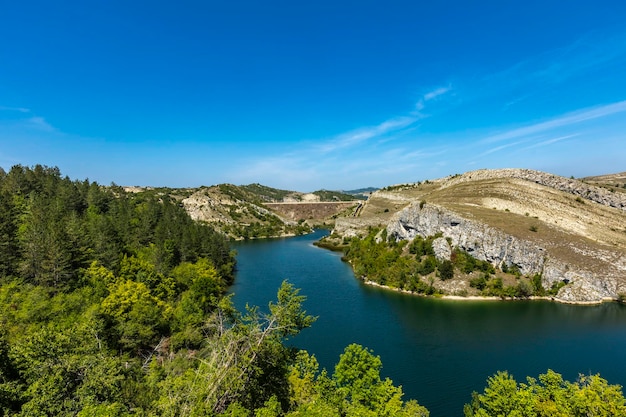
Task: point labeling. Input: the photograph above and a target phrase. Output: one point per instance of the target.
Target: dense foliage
(412, 266)
(266, 225)
(53, 228)
(550, 396)
(388, 262)
(112, 304)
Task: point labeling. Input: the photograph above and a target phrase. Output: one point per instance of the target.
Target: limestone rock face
(479, 240)
(204, 207)
(492, 245)
(442, 249)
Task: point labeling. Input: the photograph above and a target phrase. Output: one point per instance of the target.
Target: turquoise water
(438, 350)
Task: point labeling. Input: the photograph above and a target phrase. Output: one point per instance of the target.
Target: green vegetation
(391, 263)
(549, 396)
(113, 304)
(326, 195)
(266, 194)
(268, 225)
(262, 193)
(413, 267)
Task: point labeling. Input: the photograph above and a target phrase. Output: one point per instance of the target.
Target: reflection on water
(438, 350)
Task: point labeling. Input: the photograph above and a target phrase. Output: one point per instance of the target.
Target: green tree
(243, 360)
(446, 270)
(66, 369)
(137, 318)
(357, 375)
(550, 396)
(9, 246)
(46, 256)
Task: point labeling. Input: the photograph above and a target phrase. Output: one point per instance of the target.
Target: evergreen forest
(114, 304)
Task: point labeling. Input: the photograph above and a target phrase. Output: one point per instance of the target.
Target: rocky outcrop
(479, 240)
(492, 245)
(442, 249)
(572, 186)
(204, 207)
(213, 207)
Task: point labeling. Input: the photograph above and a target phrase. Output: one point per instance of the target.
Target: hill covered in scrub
(257, 211)
(569, 233)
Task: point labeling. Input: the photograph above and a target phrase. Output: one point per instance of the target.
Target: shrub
(524, 288)
(479, 282)
(446, 270)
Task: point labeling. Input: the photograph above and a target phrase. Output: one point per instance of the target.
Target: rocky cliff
(563, 229)
(498, 248)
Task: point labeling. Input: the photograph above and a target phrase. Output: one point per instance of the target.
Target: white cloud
(355, 137)
(40, 123)
(560, 121)
(15, 109)
(429, 96)
(501, 147)
(436, 93)
(551, 141)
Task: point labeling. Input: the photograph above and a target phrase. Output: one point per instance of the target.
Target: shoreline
(486, 297)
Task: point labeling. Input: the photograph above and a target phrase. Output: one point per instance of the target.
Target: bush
(524, 288)
(446, 270)
(479, 282)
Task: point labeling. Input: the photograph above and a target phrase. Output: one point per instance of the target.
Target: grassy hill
(579, 224)
(612, 182)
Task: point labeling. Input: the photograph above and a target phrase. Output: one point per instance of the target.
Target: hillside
(255, 210)
(612, 182)
(567, 230)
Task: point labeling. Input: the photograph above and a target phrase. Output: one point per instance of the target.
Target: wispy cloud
(22, 118)
(365, 154)
(584, 54)
(581, 57)
(551, 141)
(357, 136)
(40, 123)
(561, 121)
(501, 147)
(436, 93)
(429, 96)
(15, 109)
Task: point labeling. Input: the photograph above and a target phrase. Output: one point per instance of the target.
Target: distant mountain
(326, 195)
(361, 193)
(274, 195)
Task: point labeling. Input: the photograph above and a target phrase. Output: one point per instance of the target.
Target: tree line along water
(439, 351)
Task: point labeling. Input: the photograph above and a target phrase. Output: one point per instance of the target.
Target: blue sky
(310, 95)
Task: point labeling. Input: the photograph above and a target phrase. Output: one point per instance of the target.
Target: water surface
(438, 350)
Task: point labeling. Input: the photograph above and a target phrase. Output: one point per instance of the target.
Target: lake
(438, 350)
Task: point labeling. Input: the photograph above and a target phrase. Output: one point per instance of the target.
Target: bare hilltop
(567, 230)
